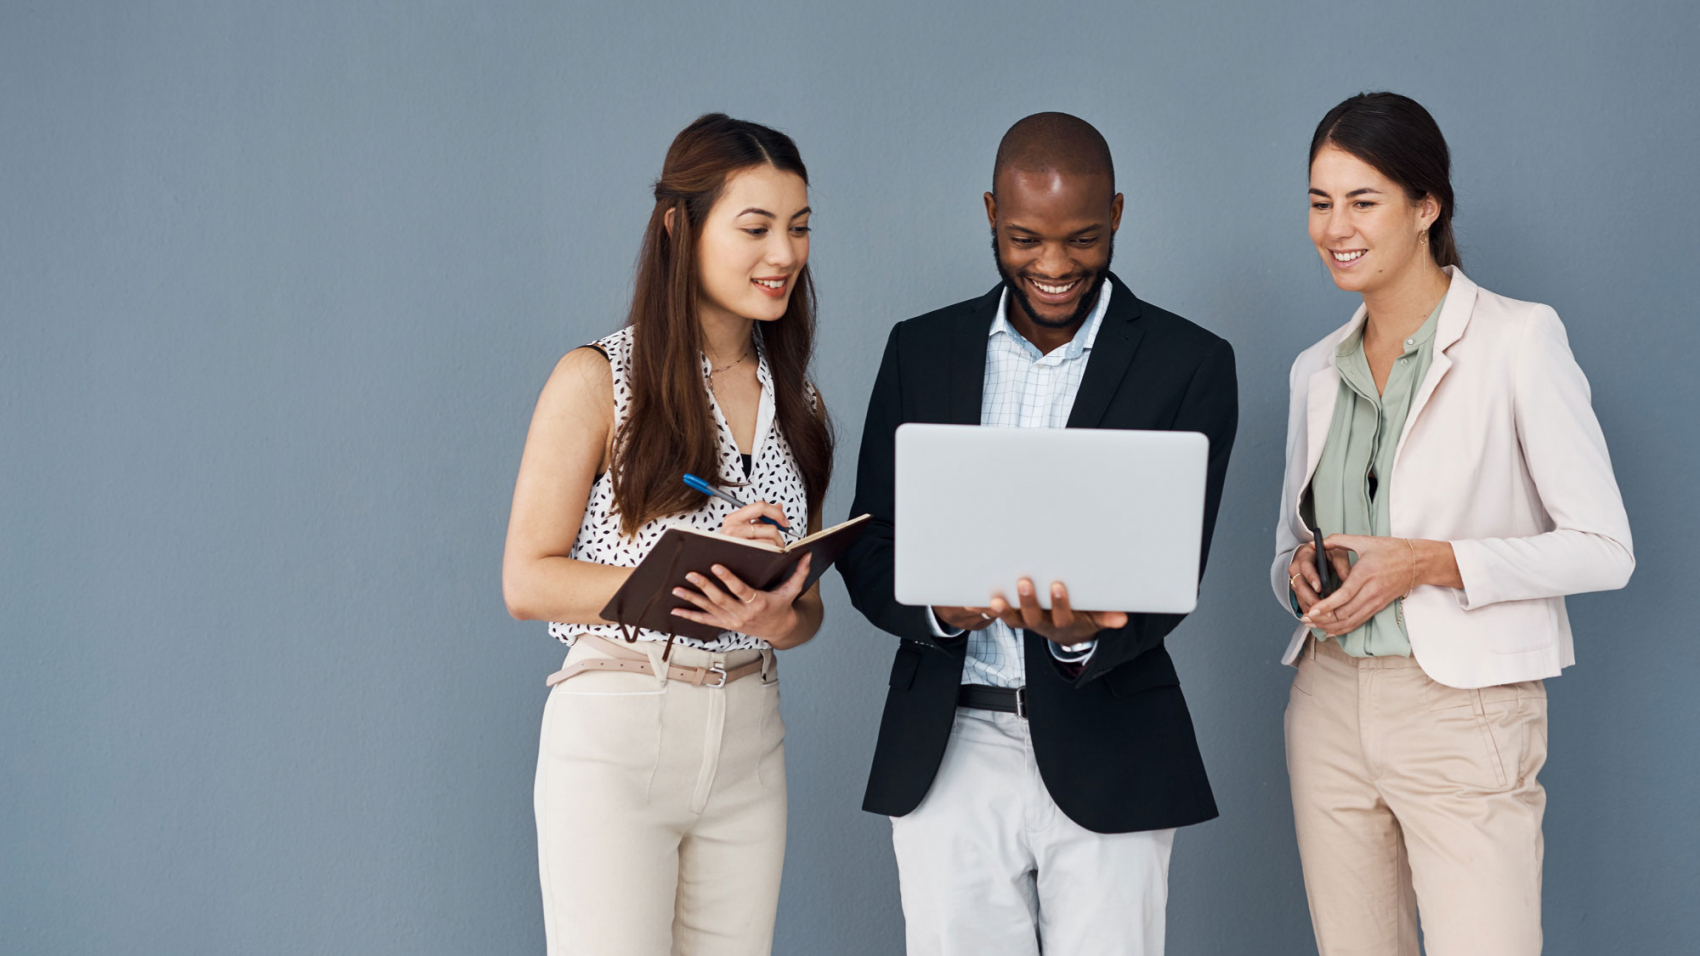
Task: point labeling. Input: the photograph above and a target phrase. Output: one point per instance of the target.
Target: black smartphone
(1324, 573)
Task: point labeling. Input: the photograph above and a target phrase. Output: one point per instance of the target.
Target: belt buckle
(716, 669)
(1021, 702)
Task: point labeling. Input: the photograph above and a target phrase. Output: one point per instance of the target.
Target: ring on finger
(984, 616)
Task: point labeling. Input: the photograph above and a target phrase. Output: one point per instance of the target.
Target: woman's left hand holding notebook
(728, 603)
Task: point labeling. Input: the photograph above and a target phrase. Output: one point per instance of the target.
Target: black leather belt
(1008, 700)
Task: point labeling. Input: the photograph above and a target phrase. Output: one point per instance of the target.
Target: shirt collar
(1419, 339)
(1084, 337)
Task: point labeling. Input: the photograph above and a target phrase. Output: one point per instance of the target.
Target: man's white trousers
(990, 867)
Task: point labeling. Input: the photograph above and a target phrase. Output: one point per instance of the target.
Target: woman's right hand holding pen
(746, 523)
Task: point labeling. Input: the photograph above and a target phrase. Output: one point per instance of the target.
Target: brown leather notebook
(646, 599)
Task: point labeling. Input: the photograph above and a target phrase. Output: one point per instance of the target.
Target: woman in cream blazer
(1416, 725)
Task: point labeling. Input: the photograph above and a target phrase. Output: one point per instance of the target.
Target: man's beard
(1087, 302)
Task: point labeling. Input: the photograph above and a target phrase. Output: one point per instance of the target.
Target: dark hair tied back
(1399, 138)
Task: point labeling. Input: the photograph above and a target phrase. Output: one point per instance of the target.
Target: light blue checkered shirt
(1024, 389)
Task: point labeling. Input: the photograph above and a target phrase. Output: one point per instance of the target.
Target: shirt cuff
(1073, 653)
(939, 629)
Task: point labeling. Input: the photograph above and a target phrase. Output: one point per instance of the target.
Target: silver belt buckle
(1021, 702)
(717, 669)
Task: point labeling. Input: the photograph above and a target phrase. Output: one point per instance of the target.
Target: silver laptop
(1117, 516)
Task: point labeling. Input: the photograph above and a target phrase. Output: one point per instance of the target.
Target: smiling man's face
(1053, 234)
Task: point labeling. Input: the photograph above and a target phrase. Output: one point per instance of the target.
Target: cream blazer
(1502, 456)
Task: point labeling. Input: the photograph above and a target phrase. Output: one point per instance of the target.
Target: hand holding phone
(1324, 573)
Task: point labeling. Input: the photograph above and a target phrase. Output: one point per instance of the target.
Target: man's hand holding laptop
(1061, 624)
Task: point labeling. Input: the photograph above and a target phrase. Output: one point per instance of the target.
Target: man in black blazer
(1035, 764)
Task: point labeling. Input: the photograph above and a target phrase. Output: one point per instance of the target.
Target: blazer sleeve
(1211, 405)
(1286, 543)
(867, 566)
(1564, 452)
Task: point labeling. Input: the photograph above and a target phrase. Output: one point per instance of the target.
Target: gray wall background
(279, 284)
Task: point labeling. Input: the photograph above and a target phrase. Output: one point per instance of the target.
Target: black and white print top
(773, 478)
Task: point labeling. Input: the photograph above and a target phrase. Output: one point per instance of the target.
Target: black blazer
(1115, 744)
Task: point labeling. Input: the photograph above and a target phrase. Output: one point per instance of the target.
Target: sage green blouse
(1350, 488)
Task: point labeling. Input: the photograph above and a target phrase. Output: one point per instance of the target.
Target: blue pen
(709, 489)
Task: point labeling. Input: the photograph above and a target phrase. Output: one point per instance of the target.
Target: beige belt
(637, 662)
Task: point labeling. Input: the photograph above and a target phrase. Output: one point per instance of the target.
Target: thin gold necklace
(716, 371)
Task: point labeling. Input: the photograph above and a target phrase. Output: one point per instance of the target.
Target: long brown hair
(669, 429)
(1397, 136)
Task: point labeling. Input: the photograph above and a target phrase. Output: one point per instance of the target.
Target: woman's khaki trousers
(661, 810)
(1411, 796)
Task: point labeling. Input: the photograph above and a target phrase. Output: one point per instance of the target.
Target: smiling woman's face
(1367, 230)
(754, 244)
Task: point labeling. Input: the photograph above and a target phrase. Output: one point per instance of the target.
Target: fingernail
(1056, 590)
(1026, 588)
(678, 592)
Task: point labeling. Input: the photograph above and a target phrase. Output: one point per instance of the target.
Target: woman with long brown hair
(660, 791)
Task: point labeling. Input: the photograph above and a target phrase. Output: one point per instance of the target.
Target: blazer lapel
(1454, 318)
(968, 358)
(1322, 391)
(1112, 355)
(1320, 396)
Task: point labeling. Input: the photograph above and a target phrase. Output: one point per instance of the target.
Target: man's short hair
(1054, 141)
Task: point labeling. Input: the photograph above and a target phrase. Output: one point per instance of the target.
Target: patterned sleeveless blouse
(773, 477)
